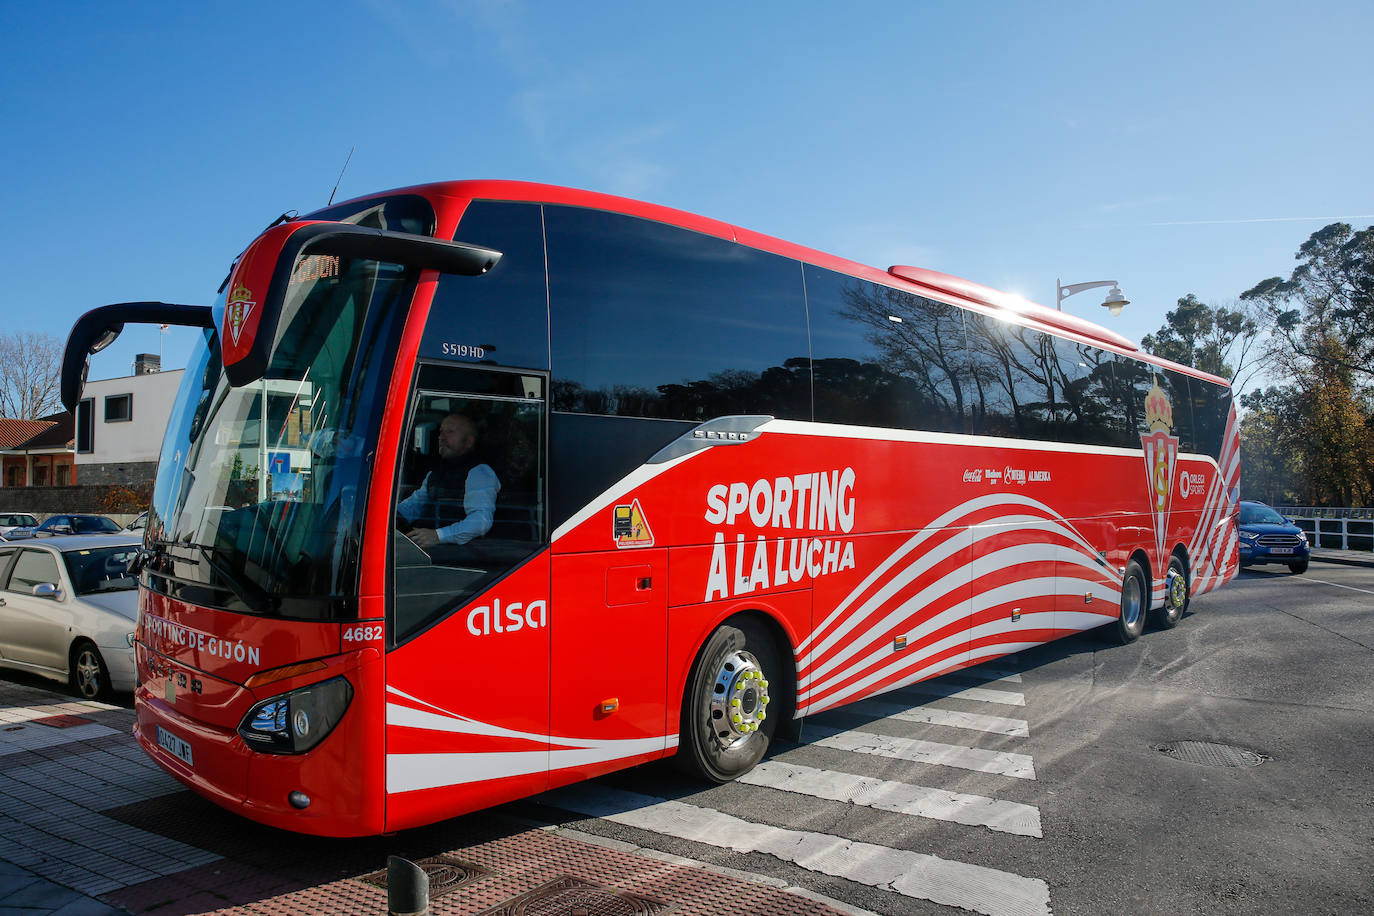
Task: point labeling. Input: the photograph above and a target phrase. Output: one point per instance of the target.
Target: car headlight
(295, 722)
(1248, 538)
(1302, 536)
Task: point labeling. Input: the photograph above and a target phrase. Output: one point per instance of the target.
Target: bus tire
(90, 679)
(1135, 598)
(1176, 594)
(726, 728)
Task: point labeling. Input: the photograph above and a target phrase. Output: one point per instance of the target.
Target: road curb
(1355, 560)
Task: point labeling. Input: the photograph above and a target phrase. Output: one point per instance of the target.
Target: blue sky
(1177, 147)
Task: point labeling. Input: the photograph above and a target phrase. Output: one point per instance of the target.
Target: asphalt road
(1278, 665)
(1036, 784)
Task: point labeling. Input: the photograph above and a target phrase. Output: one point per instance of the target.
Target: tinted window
(1131, 381)
(502, 316)
(649, 320)
(1175, 386)
(1015, 384)
(884, 357)
(1211, 410)
(34, 567)
(1086, 405)
(404, 213)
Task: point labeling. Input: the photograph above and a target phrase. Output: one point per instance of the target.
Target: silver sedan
(67, 610)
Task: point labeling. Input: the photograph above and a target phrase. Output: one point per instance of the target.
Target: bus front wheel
(727, 722)
(1130, 622)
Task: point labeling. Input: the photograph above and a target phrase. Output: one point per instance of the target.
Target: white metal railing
(1333, 527)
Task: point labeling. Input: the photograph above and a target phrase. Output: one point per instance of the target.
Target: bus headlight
(295, 722)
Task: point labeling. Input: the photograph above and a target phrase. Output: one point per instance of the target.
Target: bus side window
(470, 505)
(885, 357)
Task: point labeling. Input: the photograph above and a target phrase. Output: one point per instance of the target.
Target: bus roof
(929, 283)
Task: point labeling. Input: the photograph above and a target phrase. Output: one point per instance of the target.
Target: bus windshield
(260, 490)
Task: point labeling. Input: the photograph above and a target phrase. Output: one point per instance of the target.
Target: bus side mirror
(257, 286)
(98, 328)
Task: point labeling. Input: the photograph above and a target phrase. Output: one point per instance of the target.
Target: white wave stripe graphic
(950, 519)
(938, 592)
(1017, 591)
(911, 874)
(829, 674)
(409, 772)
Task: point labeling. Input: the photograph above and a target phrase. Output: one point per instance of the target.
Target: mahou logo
(236, 312)
(1161, 454)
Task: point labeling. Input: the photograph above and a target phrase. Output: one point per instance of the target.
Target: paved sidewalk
(1345, 557)
(90, 827)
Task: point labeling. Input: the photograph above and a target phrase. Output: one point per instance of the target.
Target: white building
(120, 423)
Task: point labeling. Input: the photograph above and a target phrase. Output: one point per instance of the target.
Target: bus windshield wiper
(256, 598)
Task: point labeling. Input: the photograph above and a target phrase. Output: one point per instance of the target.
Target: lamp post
(1114, 303)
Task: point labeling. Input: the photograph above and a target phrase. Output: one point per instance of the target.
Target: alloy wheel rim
(739, 699)
(87, 674)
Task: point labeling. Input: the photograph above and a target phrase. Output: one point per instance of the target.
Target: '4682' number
(362, 634)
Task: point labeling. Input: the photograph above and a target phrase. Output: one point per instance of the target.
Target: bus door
(610, 643)
(470, 616)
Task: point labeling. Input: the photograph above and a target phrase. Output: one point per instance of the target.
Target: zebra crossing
(934, 766)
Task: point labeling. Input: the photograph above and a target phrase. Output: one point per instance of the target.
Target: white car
(11, 520)
(67, 610)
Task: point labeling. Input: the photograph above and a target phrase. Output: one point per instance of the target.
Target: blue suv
(1267, 537)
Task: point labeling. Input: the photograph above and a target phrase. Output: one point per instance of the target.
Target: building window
(119, 408)
(16, 477)
(40, 476)
(64, 475)
(85, 426)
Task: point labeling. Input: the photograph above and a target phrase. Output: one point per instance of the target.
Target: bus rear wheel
(726, 727)
(1130, 622)
(1175, 594)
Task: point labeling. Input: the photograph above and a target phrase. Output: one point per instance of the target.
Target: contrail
(1263, 219)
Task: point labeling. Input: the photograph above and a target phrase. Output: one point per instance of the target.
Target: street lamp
(1114, 303)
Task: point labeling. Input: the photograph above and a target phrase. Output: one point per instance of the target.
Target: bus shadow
(258, 863)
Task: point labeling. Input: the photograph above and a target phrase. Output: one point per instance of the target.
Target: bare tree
(30, 365)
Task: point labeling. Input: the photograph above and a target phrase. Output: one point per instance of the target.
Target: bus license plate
(174, 745)
(1280, 549)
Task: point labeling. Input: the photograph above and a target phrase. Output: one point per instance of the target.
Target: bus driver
(457, 500)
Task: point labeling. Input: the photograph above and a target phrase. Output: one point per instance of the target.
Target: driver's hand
(423, 537)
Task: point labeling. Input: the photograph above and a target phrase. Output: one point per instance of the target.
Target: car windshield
(101, 569)
(1251, 514)
(92, 524)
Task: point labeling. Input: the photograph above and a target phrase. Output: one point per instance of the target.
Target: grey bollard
(407, 888)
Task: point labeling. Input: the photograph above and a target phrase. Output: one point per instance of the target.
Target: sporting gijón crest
(1161, 454)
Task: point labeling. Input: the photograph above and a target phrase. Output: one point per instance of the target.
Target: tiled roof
(59, 434)
(14, 433)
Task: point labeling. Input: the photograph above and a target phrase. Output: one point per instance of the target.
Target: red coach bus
(476, 489)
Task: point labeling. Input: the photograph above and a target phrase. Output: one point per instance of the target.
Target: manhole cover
(1211, 755)
(568, 896)
(445, 873)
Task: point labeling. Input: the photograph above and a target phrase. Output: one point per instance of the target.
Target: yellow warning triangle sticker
(631, 528)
